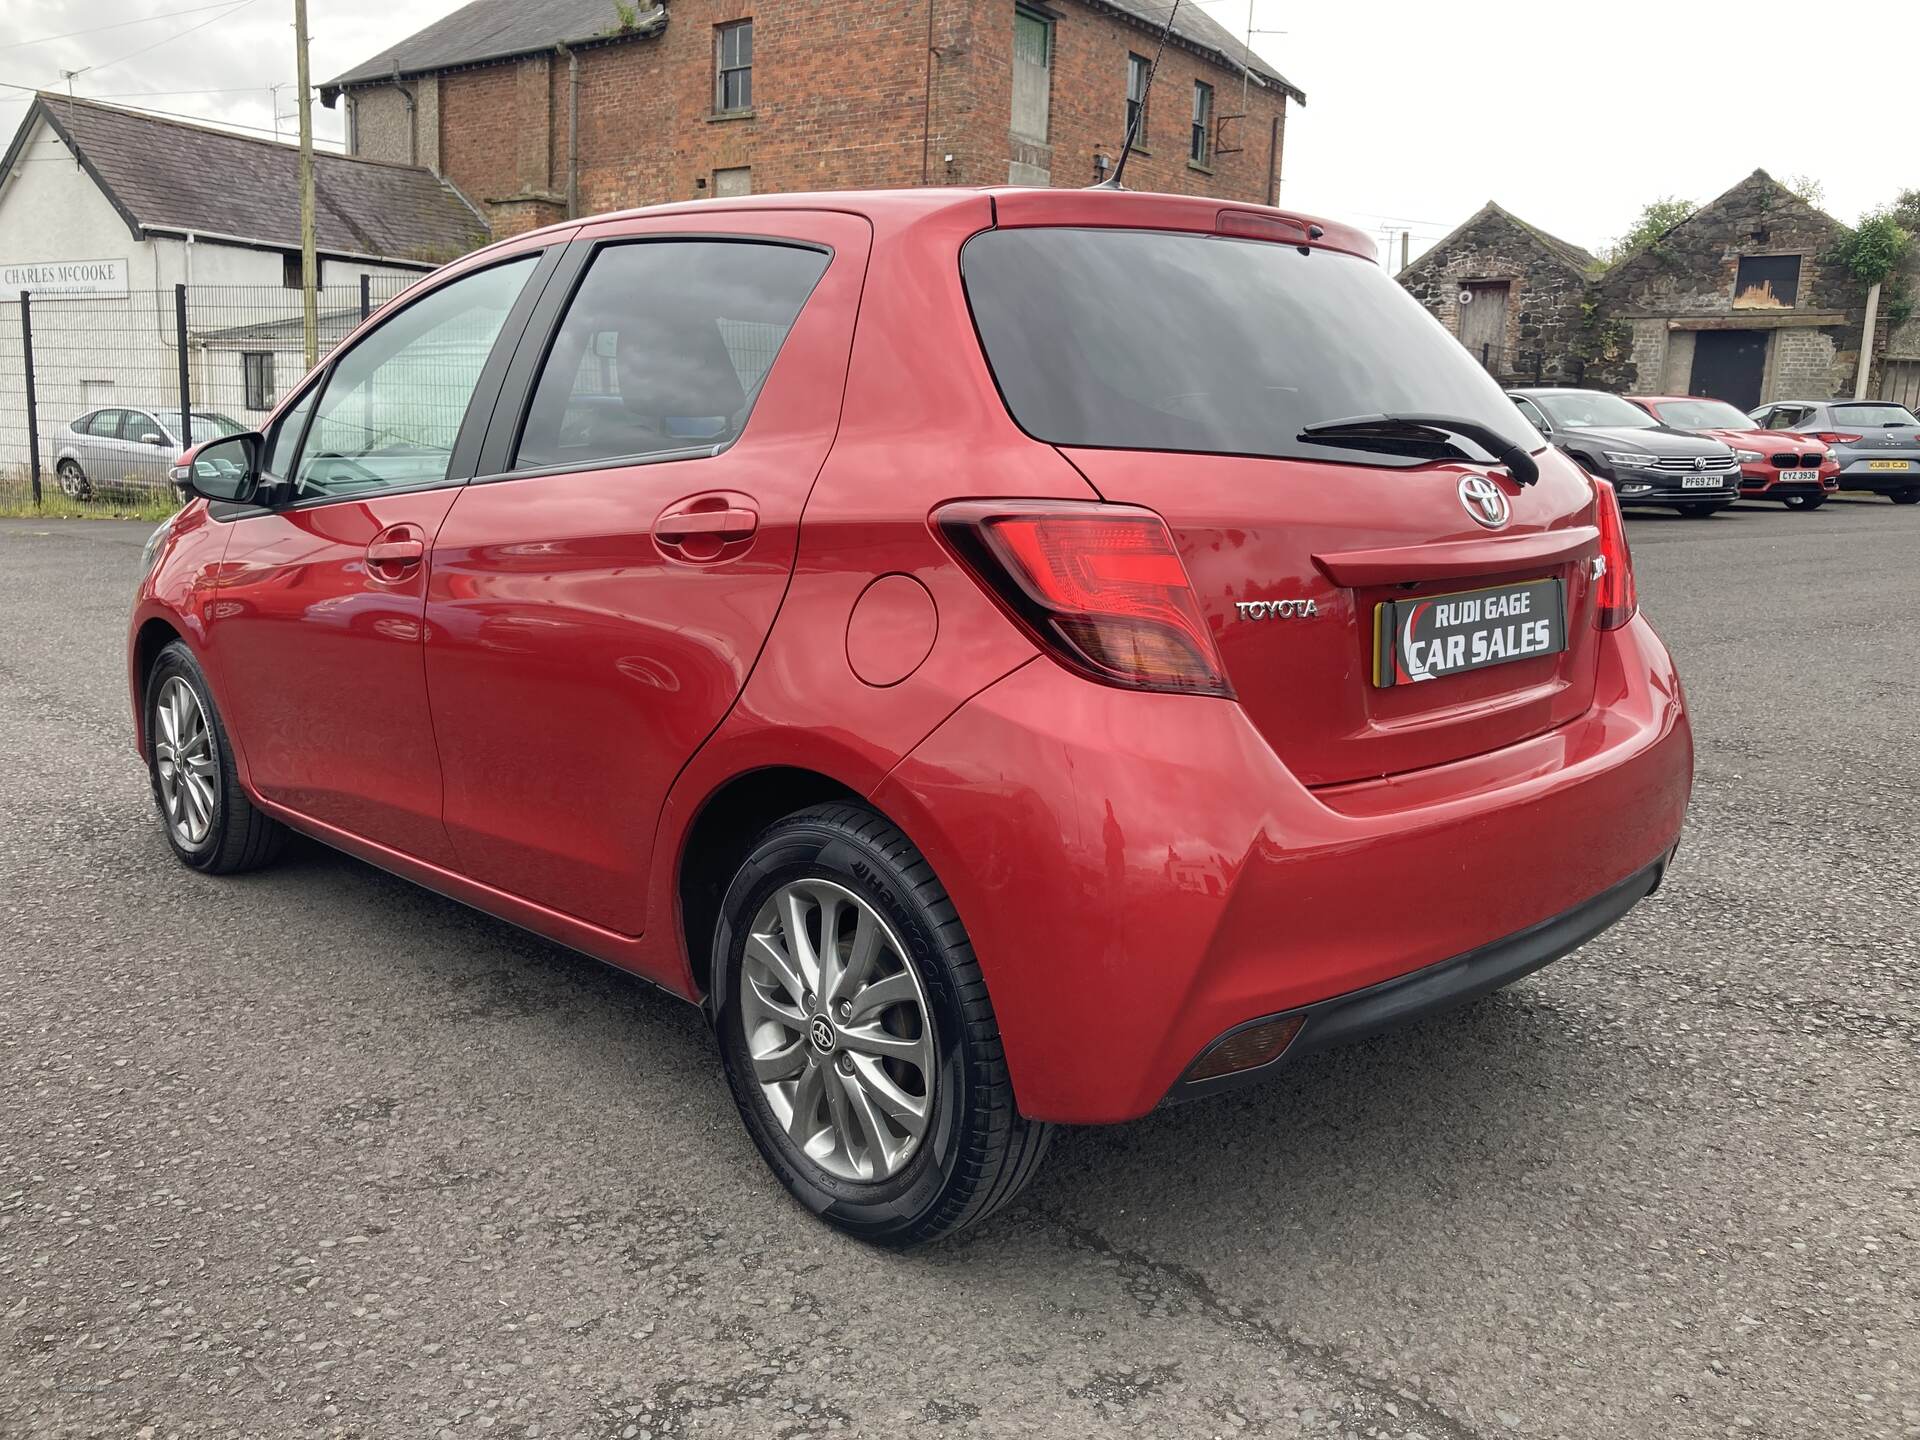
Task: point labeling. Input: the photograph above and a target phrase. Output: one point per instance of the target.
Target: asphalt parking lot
(313, 1152)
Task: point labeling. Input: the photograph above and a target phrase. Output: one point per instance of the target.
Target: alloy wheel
(183, 762)
(838, 1029)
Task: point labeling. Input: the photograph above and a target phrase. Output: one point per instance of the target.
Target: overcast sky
(1416, 114)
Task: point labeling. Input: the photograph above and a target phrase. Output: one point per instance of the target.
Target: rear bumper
(1439, 988)
(1140, 874)
(1858, 477)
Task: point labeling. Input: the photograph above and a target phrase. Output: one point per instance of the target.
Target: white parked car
(123, 448)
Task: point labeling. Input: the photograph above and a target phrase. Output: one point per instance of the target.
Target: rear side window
(664, 349)
(1154, 340)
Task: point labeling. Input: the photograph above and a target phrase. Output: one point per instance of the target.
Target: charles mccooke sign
(65, 279)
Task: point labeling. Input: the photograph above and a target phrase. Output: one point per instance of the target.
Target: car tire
(208, 819)
(1908, 496)
(1699, 512)
(882, 1101)
(73, 481)
(1805, 502)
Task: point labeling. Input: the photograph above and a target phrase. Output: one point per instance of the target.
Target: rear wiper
(1421, 431)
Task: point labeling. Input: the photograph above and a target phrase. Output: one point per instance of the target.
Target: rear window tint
(1881, 415)
(664, 349)
(1155, 340)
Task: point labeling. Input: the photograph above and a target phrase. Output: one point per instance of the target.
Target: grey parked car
(121, 448)
(1877, 442)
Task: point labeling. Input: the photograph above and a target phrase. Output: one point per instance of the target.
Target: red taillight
(1100, 585)
(1615, 598)
(1834, 437)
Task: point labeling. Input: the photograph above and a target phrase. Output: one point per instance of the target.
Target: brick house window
(1767, 282)
(1200, 149)
(1138, 68)
(733, 67)
(290, 269)
(256, 367)
(1032, 74)
(737, 180)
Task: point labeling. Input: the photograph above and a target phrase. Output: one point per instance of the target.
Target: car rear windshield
(1157, 340)
(1703, 415)
(1881, 415)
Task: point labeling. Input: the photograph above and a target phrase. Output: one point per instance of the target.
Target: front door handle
(397, 551)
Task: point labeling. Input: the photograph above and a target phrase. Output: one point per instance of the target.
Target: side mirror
(221, 469)
(150, 438)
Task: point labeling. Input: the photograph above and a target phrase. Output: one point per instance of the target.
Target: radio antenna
(1112, 182)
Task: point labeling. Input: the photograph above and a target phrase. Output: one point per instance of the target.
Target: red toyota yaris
(1013, 657)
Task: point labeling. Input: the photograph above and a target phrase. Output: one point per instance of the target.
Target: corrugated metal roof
(166, 174)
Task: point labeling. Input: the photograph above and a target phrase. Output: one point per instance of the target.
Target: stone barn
(1511, 292)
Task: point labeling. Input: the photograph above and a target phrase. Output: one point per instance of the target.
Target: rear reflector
(1100, 586)
(1246, 1049)
(1615, 596)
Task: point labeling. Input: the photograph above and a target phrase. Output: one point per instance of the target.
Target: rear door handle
(728, 524)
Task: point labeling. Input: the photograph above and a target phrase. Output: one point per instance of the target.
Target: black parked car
(1647, 463)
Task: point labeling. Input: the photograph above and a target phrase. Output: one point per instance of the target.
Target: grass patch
(55, 506)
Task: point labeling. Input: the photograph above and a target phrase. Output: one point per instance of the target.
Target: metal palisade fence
(99, 394)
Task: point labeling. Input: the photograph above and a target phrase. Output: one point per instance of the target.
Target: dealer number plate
(1436, 635)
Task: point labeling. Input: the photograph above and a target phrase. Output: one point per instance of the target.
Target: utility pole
(1866, 343)
(1406, 239)
(309, 261)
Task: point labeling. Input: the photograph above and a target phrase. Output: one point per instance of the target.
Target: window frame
(248, 378)
(1141, 65)
(522, 387)
(1045, 22)
(474, 425)
(722, 72)
(1200, 138)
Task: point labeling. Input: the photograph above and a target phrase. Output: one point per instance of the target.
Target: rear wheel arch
(722, 834)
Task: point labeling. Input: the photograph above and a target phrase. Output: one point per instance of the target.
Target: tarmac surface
(313, 1152)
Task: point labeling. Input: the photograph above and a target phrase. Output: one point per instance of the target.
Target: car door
(150, 450)
(315, 639)
(106, 451)
(601, 590)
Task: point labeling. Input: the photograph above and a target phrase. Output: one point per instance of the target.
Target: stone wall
(1544, 316)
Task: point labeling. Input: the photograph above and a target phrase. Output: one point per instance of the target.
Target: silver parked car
(122, 448)
(1877, 442)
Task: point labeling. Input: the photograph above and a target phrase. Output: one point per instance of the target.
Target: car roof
(1530, 391)
(1012, 204)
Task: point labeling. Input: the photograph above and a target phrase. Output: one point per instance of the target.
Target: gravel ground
(313, 1152)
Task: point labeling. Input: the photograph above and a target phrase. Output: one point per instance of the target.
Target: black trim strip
(1437, 987)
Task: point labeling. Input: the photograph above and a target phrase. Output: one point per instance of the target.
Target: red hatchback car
(1013, 657)
(1774, 465)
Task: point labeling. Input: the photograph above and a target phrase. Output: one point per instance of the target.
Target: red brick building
(538, 109)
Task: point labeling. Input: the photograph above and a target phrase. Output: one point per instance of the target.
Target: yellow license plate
(1886, 464)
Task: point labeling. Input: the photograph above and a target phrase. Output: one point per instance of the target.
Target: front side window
(664, 349)
(1138, 68)
(393, 404)
(1224, 346)
(257, 373)
(1032, 74)
(1200, 151)
(733, 67)
(1532, 412)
